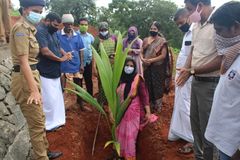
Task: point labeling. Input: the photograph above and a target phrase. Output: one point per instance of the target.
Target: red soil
(75, 139)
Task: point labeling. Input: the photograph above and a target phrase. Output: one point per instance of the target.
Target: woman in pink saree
(138, 111)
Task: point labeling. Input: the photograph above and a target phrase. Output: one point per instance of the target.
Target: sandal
(186, 149)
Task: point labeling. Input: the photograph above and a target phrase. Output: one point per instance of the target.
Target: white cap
(67, 18)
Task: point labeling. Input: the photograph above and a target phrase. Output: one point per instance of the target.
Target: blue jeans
(223, 156)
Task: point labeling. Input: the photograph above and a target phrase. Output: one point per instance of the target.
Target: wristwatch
(192, 71)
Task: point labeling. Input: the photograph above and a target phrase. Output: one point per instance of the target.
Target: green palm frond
(110, 76)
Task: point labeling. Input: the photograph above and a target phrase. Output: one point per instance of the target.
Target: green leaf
(104, 77)
(106, 62)
(86, 96)
(117, 147)
(108, 143)
(119, 61)
(115, 144)
(122, 110)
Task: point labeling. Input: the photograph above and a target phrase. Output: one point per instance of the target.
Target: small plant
(110, 77)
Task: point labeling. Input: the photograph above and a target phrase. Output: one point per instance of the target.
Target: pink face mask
(195, 16)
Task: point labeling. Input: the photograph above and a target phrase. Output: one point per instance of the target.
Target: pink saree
(129, 126)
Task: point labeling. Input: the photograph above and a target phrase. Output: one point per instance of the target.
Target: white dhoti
(180, 124)
(53, 103)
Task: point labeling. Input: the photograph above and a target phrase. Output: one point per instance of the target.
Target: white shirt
(186, 48)
(223, 128)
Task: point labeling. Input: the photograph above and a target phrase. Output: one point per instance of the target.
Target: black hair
(156, 24)
(180, 12)
(128, 78)
(20, 10)
(129, 58)
(53, 17)
(83, 19)
(195, 2)
(227, 15)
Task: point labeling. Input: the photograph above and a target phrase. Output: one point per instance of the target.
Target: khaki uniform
(5, 23)
(202, 92)
(23, 42)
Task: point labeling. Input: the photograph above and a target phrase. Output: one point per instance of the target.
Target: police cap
(29, 3)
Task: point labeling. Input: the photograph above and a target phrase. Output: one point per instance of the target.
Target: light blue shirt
(88, 40)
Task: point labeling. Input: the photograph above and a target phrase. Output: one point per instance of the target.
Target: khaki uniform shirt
(23, 42)
(204, 50)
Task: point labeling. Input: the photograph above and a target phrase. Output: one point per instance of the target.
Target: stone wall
(14, 138)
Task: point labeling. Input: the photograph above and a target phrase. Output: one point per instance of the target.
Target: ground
(75, 139)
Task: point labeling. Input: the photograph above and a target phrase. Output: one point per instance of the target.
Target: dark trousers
(201, 104)
(88, 78)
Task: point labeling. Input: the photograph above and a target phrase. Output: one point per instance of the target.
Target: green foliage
(110, 77)
(121, 14)
(78, 8)
(124, 13)
(15, 13)
(86, 96)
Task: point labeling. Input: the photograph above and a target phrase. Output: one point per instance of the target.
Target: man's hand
(66, 57)
(35, 97)
(69, 55)
(183, 76)
(236, 156)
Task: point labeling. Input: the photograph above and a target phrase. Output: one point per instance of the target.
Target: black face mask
(153, 33)
(185, 28)
(131, 36)
(52, 29)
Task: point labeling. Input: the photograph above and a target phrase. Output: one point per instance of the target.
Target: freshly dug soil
(75, 139)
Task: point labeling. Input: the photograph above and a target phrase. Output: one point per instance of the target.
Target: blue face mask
(34, 18)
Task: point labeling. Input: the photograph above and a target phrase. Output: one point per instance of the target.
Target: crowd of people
(48, 52)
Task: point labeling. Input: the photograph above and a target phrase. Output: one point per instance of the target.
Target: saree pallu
(155, 74)
(127, 130)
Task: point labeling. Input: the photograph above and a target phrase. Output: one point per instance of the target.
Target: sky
(105, 2)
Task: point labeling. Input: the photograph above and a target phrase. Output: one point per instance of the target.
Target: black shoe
(53, 155)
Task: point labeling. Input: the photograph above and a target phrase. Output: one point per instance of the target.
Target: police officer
(25, 79)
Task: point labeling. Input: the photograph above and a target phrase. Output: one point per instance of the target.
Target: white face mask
(104, 33)
(128, 69)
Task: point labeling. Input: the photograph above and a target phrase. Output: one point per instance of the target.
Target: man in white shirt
(180, 125)
(223, 128)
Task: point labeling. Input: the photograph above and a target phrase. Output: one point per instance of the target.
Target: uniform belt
(207, 79)
(16, 68)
